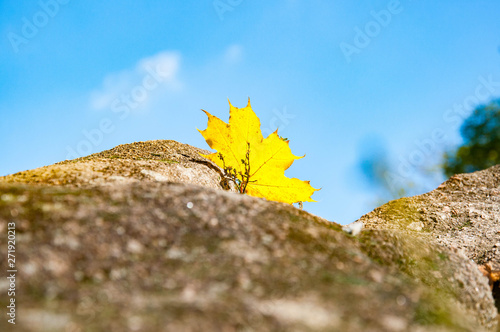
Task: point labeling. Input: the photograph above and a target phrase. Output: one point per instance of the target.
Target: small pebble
(353, 228)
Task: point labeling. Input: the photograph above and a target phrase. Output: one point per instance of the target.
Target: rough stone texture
(140, 161)
(463, 214)
(149, 255)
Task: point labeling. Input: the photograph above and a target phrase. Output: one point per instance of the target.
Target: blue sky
(339, 78)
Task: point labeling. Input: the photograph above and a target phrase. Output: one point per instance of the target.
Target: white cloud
(234, 53)
(135, 87)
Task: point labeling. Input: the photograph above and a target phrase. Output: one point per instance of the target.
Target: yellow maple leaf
(258, 164)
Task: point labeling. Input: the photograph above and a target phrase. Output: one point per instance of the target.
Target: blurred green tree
(481, 146)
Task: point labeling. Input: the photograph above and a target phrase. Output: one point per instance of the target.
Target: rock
(462, 215)
(139, 161)
(143, 254)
